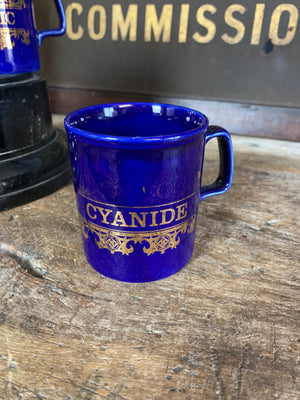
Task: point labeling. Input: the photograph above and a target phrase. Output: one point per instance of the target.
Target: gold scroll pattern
(123, 241)
(9, 35)
(13, 4)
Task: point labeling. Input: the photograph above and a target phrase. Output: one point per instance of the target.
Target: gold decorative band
(13, 4)
(8, 37)
(123, 241)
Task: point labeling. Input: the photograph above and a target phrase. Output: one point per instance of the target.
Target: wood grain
(226, 327)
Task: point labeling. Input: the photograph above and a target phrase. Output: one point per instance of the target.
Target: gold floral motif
(13, 4)
(8, 37)
(123, 241)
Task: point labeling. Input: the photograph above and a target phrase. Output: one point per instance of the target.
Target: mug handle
(224, 180)
(55, 32)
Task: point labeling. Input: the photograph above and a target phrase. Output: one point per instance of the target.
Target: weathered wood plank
(226, 327)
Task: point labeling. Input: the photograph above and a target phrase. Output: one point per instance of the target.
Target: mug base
(139, 269)
(139, 279)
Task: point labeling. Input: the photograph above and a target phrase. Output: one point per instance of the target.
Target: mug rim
(109, 140)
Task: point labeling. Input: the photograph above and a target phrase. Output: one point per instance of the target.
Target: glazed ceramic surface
(137, 177)
(19, 38)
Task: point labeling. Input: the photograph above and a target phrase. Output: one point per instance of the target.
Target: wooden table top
(226, 327)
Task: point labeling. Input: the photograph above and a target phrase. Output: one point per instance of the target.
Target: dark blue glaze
(19, 39)
(137, 175)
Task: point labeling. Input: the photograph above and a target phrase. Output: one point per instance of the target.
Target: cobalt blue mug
(19, 38)
(137, 171)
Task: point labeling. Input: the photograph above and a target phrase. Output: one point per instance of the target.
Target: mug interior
(136, 120)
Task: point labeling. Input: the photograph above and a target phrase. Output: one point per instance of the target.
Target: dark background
(261, 74)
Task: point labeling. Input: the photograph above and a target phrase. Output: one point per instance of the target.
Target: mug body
(19, 48)
(137, 169)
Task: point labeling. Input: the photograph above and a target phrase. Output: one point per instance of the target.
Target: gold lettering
(69, 19)
(138, 219)
(135, 216)
(183, 23)
(161, 27)
(257, 23)
(7, 18)
(181, 211)
(154, 214)
(88, 206)
(119, 24)
(164, 219)
(119, 220)
(206, 23)
(234, 23)
(291, 28)
(97, 9)
(12, 15)
(104, 213)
